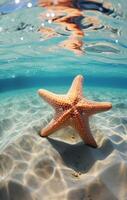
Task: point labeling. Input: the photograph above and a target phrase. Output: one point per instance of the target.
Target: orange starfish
(73, 109)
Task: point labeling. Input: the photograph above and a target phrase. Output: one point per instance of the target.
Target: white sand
(62, 166)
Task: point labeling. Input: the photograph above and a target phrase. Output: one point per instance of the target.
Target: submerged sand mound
(62, 166)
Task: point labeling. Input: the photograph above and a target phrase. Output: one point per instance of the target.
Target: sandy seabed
(62, 166)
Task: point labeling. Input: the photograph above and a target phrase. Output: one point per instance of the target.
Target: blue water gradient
(44, 81)
(29, 60)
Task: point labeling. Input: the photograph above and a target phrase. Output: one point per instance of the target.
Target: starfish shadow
(79, 156)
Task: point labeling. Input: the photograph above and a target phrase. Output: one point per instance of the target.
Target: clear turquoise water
(29, 61)
(27, 58)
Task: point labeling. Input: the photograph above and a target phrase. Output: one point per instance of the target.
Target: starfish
(73, 109)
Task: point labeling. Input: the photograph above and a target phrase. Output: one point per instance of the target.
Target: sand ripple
(62, 166)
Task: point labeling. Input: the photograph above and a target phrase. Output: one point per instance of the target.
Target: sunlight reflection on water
(27, 52)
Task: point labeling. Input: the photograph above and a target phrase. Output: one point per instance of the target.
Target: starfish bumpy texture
(73, 109)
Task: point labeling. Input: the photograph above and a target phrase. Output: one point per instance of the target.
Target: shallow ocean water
(61, 167)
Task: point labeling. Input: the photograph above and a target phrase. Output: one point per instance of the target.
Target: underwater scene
(63, 100)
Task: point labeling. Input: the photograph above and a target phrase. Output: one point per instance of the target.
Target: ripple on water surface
(104, 41)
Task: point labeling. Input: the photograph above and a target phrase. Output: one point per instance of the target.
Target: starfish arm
(76, 88)
(92, 107)
(53, 99)
(56, 123)
(81, 124)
